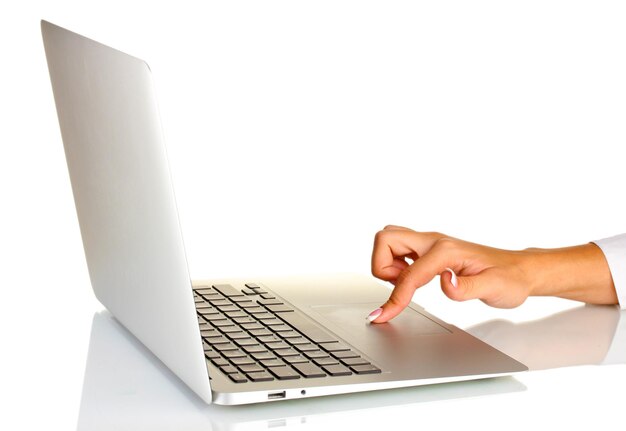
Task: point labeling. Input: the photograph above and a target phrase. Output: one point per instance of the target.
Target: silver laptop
(231, 341)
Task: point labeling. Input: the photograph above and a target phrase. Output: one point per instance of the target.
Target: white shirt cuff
(614, 250)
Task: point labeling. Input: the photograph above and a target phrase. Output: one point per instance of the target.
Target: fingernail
(453, 280)
(374, 314)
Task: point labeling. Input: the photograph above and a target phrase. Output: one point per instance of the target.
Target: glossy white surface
(126, 387)
(497, 122)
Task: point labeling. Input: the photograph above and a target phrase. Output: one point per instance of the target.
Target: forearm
(580, 273)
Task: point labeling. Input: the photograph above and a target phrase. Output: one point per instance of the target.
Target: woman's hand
(500, 278)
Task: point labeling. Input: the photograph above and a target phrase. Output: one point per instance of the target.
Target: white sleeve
(614, 250)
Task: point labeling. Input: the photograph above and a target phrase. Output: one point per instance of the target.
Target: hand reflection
(579, 336)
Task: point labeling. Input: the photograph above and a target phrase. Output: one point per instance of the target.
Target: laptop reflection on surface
(232, 341)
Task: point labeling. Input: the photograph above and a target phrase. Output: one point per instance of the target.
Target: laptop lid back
(124, 197)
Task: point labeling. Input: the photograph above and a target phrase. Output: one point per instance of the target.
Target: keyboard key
(244, 320)
(284, 373)
(227, 290)
(272, 363)
(233, 314)
(203, 290)
(212, 354)
(228, 308)
(345, 354)
(335, 347)
(261, 376)
(307, 327)
(267, 296)
(251, 326)
(238, 378)
(306, 347)
(220, 362)
(246, 342)
(251, 368)
(220, 302)
(255, 310)
(264, 316)
(214, 317)
(289, 334)
(295, 359)
(272, 301)
(229, 369)
(245, 360)
(285, 352)
(233, 354)
(206, 346)
(237, 335)
(230, 329)
(279, 308)
(249, 304)
(337, 370)
(225, 346)
(206, 312)
(324, 361)
(249, 291)
(277, 345)
(355, 361)
(206, 327)
(315, 354)
(239, 299)
(253, 286)
(309, 370)
(260, 332)
(209, 333)
(281, 328)
(365, 369)
(217, 340)
(272, 322)
(257, 348)
(221, 322)
(262, 356)
(272, 338)
(297, 341)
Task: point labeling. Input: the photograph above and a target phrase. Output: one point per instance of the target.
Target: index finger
(412, 278)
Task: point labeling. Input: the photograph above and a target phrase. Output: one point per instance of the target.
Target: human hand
(500, 278)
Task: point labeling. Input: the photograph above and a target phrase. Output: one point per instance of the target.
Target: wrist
(580, 273)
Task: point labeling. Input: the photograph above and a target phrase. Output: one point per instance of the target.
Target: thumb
(484, 285)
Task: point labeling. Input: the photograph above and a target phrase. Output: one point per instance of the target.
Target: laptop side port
(276, 395)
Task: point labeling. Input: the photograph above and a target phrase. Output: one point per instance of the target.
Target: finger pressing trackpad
(350, 319)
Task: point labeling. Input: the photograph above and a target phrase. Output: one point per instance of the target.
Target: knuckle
(380, 235)
(446, 245)
(377, 272)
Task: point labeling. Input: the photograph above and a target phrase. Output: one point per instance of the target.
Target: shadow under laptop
(127, 387)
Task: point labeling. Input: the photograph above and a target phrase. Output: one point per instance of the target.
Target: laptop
(234, 341)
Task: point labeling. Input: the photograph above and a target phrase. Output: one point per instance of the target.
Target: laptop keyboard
(251, 335)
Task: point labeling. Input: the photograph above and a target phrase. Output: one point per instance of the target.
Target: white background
(298, 129)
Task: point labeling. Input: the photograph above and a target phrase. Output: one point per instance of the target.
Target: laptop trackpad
(349, 319)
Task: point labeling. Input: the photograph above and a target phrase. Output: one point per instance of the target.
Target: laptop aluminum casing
(135, 253)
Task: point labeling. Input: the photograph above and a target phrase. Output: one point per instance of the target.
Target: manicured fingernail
(453, 280)
(374, 314)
